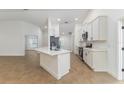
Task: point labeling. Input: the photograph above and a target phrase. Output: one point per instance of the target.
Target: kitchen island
(57, 63)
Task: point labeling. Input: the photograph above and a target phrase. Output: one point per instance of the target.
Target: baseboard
(113, 75)
(12, 53)
(62, 75)
(100, 70)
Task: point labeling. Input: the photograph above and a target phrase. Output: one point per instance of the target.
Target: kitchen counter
(52, 52)
(57, 63)
(97, 50)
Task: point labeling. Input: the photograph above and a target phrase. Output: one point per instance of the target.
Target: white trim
(119, 50)
(61, 75)
(112, 74)
(21, 53)
(100, 70)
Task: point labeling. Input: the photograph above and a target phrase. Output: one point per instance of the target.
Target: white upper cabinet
(99, 28)
(103, 28)
(54, 31)
(89, 30)
(53, 27)
(95, 24)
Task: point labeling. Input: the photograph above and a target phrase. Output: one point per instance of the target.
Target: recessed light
(76, 19)
(58, 19)
(45, 27)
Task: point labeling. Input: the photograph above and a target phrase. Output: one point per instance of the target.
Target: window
(31, 41)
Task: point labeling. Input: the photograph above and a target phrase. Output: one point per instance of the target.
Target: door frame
(120, 49)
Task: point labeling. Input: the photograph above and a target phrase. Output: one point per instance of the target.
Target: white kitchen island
(57, 63)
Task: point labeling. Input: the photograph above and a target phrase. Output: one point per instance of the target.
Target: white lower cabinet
(99, 61)
(89, 59)
(96, 60)
(85, 55)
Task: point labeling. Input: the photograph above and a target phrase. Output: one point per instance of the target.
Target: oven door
(81, 52)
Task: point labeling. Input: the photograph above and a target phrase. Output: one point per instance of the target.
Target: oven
(81, 53)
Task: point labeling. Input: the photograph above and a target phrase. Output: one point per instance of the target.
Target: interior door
(122, 43)
(123, 60)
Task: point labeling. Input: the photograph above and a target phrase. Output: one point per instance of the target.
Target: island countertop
(52, 52)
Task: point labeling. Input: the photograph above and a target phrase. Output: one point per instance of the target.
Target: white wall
(31, 29)
(12, 37)
(77, 37)
(113, 18)
(67, 40)
(45, 38)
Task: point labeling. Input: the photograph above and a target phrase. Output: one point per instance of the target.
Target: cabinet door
(85, 55)
(89, 30)
(102, 28)
(96, 29)
(90, 59)
(100, 61)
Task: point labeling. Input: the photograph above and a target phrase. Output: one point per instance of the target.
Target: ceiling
(40, 16)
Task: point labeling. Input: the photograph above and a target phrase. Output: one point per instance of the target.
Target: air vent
(66, 22)
(26, 9)
(70, 33)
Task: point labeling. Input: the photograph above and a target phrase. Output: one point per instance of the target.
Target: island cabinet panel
(63, 64)
(56, 65)
(49, 63)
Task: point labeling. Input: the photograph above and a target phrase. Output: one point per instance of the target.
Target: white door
(123, 61)
(122, 43)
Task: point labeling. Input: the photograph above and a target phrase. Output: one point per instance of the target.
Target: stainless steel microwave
(85, 36)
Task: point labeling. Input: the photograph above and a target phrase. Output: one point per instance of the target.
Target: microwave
(85, 35)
